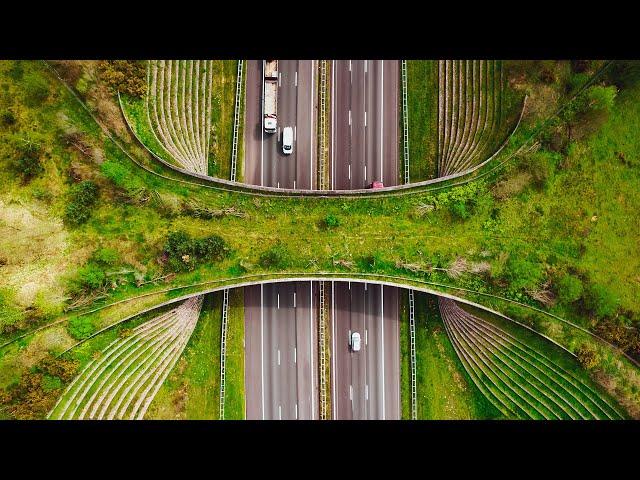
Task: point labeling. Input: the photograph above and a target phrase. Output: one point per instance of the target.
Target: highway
(265, 164)
(365, 384)
(281, 351)
(364, 123)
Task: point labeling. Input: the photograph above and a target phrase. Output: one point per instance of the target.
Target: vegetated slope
(519, 380)
(179, 109)
(122, 382)
(470, 113)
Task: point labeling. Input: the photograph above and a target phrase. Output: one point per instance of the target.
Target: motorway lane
(265, 164)
(364, 123)
(281, 350)
(366, 384)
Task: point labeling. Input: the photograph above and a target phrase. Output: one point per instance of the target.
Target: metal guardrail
(236, 121)
(323, 355)
(412, 336)
(223, 348)
(405, 121)
(322, 157)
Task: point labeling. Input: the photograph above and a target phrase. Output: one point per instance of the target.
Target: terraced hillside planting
(469, 112)
(520, 381)
(125, 377)
(179, 109)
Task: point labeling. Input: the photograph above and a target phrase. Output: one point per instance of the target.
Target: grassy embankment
(222, 113)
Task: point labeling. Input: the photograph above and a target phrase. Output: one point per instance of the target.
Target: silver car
(355, 341)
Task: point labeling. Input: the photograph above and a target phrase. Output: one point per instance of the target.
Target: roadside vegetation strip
(130, 369)
(538, 386)
(179, 110)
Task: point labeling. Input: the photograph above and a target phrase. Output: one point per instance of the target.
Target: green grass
(192, 389)
(422, 99)
(234, 406)
(444, 389)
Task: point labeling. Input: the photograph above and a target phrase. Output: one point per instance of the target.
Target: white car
(355, 341)
(287, 140)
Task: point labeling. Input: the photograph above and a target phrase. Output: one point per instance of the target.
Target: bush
(106, 256)
(275, 257)
(125, 76)
(331, 221)
(587, 356)
(26, 157)
(89, 277)
(81, 327)
(601, 98)
(523, 272)
(7, 118)
(36, 89)
(82, 197)
(184, 252)
(599, 301)
(459, 210)
(569, 289)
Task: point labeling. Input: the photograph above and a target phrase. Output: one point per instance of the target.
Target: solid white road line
(311, 375)
(333, 123)
(294, 299)
(349, 178)
(382, 349)
(365, 66)
(296, 80)
(349, 65)
(365, 119)
(366, 392)
(279, 79)
(278, 357)
(350, 392)
(381, 121)
(295, 355)
(278, 297)
(262, 132)
(313, 70)
(295, 132)
(294, 184)
(279, 412)
(296, 411)
(262, 345)
(349, 117)
(333, 351)
(365, 173)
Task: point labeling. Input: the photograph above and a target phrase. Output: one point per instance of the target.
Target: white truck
(270, 99)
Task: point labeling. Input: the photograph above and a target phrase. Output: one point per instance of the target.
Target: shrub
(601, 98)
(106, 256)
(87, 278)
(184, 252)
(81, 327)
(275, 257)
(523, 272)
(125, 76)
(587, 356)
(26, 156)
(7, 118)
(36, 89)
(331, 221)
(82, 197)
(599, 301)
(459, 210)
(569, 289)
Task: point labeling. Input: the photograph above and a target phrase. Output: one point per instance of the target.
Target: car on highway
(287, 140)
(376, 184)
(355, 341)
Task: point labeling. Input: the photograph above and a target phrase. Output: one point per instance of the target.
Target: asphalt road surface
(366, 384)
(281, 351)
(364, 123)
(265, 164)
